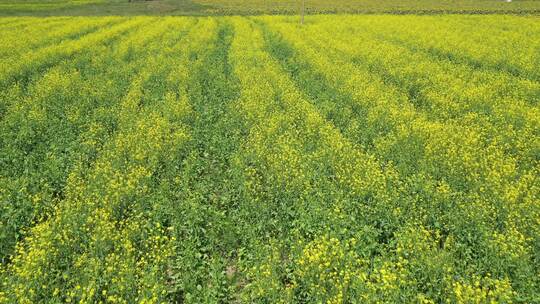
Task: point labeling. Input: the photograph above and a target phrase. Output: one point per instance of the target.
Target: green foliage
(354, 159)
(259, 7)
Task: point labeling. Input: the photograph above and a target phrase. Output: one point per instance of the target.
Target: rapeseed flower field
(351, 159)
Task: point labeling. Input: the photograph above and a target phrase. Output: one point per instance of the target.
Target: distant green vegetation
(247, 7)
(16, 6)
(366, 6)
